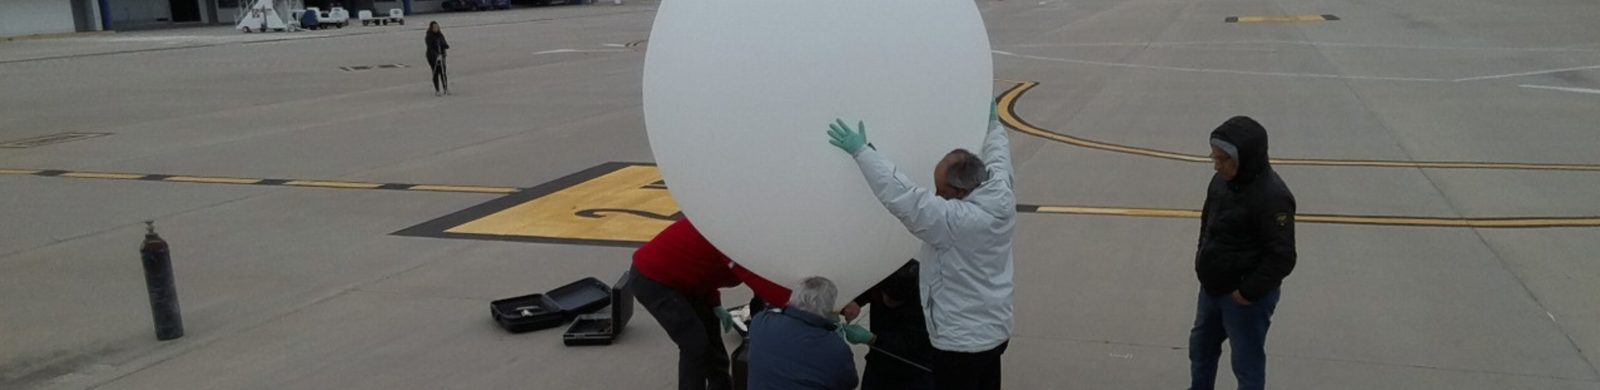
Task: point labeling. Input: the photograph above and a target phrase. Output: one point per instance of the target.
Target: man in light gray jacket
(966, 225)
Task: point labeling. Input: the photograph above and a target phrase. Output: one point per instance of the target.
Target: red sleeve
(683, 260)
(774, 294)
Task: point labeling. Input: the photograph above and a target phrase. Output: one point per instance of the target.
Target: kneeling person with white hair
(797, 347)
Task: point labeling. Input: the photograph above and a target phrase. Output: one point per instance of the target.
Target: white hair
(816, 295)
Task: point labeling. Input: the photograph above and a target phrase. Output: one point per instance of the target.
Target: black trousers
(968, 371)
(439, 75)
(876, 377)
(689, 322)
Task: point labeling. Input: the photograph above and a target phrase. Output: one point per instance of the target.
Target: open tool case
(604, 327)
(543, 311)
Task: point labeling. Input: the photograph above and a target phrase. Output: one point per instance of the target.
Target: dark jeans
(689, 322)
(1220, 318)
(880, 379)
(439, 74)
(968, 371)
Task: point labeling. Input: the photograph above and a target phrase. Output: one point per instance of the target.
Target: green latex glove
(994, 110)
(850, 140)
(722, 314)
(855, 334)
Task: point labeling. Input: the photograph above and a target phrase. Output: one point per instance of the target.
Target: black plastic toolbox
(603, 328)
(543, 311)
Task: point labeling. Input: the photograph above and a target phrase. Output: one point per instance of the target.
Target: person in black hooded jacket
(1246, 249)
(901, 351)
(436, 53)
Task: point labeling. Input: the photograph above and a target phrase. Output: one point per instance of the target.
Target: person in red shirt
(676, 277)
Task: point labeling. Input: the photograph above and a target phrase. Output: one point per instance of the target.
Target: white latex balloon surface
(737, 98)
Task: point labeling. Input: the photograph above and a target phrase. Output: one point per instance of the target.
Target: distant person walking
(1246, 249)
(436, 48)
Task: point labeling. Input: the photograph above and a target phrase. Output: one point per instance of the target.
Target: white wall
(30, 17)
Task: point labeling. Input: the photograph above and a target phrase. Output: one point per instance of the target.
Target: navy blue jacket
(793, 349)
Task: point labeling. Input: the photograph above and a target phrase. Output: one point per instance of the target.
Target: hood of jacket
(1250, 139)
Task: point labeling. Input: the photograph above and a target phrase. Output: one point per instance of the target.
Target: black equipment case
(603, 328)
(543, 311)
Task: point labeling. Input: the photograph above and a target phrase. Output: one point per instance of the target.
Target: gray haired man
(966, 225)
(797, 347)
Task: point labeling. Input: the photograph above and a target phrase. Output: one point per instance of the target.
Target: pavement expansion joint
(339, 184)
(49, 140)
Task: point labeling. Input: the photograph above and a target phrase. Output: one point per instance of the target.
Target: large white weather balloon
(737, 98)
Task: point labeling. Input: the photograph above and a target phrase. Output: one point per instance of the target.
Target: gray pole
(163, 289)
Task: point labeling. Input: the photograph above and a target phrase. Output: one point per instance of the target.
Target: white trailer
(335, 17)
(395, 16)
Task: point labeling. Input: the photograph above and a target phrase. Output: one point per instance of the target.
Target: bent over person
(676, 277)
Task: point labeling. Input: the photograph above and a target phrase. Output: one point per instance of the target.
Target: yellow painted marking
(99, 175)
(557, 215)
(1282, 18)
(1439, 164)
(1457, 222)
(1165, 213)
(213, 180)
(1009, 117)
(333, 184)
(18, 171)
(487, 190)
(1344, 219)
